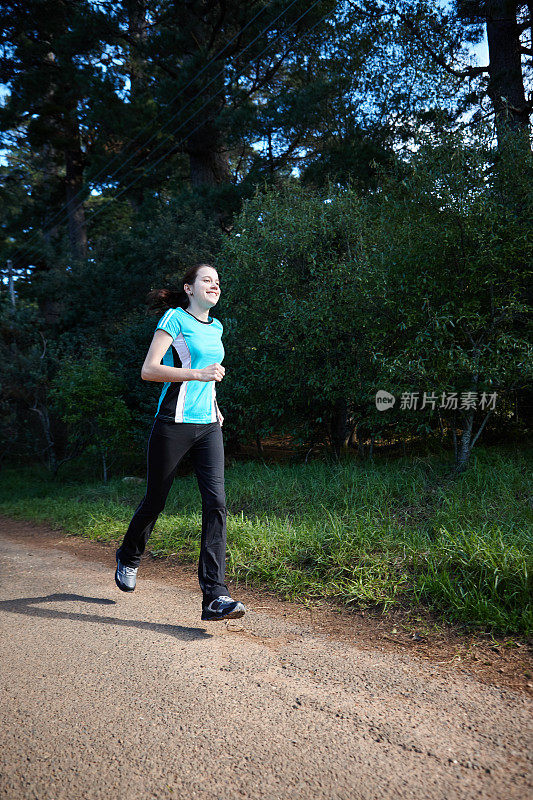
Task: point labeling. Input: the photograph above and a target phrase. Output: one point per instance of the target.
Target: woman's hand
(214, 372)
(220, 417)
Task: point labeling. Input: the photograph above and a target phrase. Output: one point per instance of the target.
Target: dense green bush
(86, 395)
(418, 287)
(28, 360)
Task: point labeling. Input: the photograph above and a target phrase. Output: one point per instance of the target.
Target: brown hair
(160, 300)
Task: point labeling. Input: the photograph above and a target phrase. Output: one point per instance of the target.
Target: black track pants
(168, 443)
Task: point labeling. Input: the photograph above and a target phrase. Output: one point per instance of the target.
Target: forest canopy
(358, 173)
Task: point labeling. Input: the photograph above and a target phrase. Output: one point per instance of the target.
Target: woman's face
(206, 287)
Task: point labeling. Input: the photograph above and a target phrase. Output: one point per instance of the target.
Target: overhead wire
(54, 221)
(151, 166)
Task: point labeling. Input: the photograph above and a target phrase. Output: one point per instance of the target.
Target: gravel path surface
(112, 695)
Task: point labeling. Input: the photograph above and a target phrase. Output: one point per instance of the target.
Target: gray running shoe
(223, 607)
(125, 577)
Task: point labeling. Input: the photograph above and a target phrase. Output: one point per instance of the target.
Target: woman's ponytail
(160, 300)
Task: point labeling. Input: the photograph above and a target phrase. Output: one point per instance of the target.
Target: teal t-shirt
(195, 344)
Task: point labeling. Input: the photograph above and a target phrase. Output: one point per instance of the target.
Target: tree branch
(217, 25)
(481, 428)
(171, 72)
(469, 72)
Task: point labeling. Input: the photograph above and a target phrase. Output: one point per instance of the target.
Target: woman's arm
(154, 370)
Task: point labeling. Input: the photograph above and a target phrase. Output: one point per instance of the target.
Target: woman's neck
(198, 312)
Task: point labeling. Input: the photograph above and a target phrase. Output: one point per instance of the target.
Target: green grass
(363, 533)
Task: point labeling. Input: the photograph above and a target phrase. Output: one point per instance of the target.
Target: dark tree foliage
(134, 133)
(50, 61)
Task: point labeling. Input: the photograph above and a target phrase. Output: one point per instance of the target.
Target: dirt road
(112, 695)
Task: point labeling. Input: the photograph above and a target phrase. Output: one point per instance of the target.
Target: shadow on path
(25, 605)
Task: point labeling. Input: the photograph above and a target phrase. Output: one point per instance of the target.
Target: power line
(61, 213)
(149, 125)
(209, 100)
(151, 166)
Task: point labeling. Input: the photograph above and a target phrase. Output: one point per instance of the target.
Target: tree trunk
(207, 158)
(75, 161)
(42, 413)
(209, 167)
(104, 464)
(463, 451)
(136, 13)
(530, 9)
(50, 307)
(506, 83)
(205, 144)
(454, 436)
(352, 439)
(339, 424)
(137, 71)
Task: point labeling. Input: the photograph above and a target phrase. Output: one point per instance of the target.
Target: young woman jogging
(186, 354)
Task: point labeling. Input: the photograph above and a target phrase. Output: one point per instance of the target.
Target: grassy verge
(363, 533)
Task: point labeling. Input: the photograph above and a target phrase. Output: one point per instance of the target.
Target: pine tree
(50, 63)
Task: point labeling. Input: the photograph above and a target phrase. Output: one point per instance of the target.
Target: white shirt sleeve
(169, 322)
